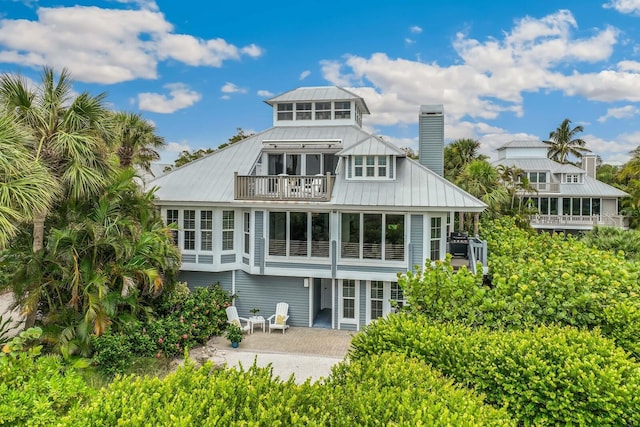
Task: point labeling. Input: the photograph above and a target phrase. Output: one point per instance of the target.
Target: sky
(504, 70)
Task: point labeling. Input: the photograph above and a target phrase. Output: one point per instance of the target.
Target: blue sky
(199, 70)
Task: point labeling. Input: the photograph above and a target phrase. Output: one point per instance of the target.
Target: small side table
(257, 320)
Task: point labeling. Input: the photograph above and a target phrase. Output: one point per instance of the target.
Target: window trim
(383, 241)
(361, 165)
(203, 230)
(356, 306)
(226, 230)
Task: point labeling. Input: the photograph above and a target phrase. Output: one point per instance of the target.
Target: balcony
(578, 221)
(304, 188)
(544, 187)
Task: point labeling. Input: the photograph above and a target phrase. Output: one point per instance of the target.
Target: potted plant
(255, 311)
(235, 335)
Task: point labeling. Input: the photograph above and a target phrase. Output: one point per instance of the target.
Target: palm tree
(136, 140)
(458, 155)
(25, 185)
(67, 135)
(482, 180)
(564, 142)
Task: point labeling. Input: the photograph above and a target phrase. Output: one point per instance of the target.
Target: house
(567, 198)
(313, 211)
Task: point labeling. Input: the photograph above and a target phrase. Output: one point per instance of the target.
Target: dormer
(570, 174)
(318, 106)
(371, 160)
(527, 149)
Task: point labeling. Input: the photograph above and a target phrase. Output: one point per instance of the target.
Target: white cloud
(415, 29)
(409, 41)
(613, 151)
(304, 74)
(116, 45)
(225, 97)
(180, 96)
(624, 6)
(229, 87)
(620, 113)
(265, 93)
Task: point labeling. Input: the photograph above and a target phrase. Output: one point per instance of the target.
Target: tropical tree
(458, 155)
(105, 260)
(135, 140)
(67, 134)
(26, 186)
(482, 180)
(564, 142)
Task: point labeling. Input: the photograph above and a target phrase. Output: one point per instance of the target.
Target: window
(584, 206)
(357, 166)
(397, 294)
(298, 234)
(313, 162)
(320, 234)
(394, 238)
(436, 234)
(350, 235)
(228, 225)
(275, 164)
(330, 163)
(278, 233)
(189, 226)
(572, 178)
(206, 230)
(349, 299)
(285, 111)
(303, 111)
(294, 164)
(323, 111)
(372, 236)
(247, 232)
(375, 228)
(377, 299)
(370, 166)
(172, 219)
(342, 110)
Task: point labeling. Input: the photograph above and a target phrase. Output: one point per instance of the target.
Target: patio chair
(279, 320)
(234, 319)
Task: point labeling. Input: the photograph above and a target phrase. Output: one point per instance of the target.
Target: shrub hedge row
(383, 390)
(548, 375)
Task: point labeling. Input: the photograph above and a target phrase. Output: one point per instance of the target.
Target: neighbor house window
(358, 166)
(189, 227)
(228, 225)
(323, 111)
(342, 110)
(394, 237)
(247, 232)
(350, 235)
(320, 234)
(377, 299)
(298, 233)
(206, 230)
(303, 111)
(349, 299)
(285, 111)
(172, 218)
(581, 206)
(572, 178)
(397, 295)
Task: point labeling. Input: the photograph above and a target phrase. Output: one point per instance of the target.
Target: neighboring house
(567, 198)
(314, 212)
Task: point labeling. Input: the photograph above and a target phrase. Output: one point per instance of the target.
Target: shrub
(544, 376)
(36, 390)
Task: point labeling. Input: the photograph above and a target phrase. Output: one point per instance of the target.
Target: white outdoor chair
(234, 319)
(279, 320)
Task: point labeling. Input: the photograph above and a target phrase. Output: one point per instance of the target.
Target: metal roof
(319, 93)
(588, 187)
(372, 146)
(527, 143)
(210, 179)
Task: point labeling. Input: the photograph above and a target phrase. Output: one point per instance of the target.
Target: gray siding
(416, 239)
(431, 137)
(196, 279)
(228, 259)
(264, 292)
(348, 327)
(245, 260)
(370, 269)
(307, 266)
(205, 259)
(189, 258)
(258, 226)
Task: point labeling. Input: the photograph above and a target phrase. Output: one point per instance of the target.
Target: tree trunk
(38, 245)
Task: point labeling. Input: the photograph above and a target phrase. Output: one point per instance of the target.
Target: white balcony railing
(284, 187)
(578, 220)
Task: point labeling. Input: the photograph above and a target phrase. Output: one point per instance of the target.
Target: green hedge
(386, 390)
(543, 376)
(534, 279)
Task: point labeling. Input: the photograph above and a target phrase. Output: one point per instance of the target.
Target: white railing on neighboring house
(578, 220)
(478, 254)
